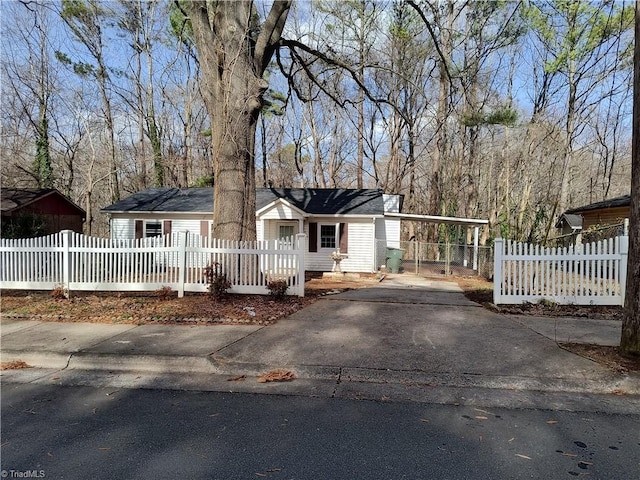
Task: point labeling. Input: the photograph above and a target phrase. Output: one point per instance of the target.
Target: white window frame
(336, 241)
(147, 222)
(286, 224)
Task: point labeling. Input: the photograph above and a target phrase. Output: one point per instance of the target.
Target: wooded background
(509, 111)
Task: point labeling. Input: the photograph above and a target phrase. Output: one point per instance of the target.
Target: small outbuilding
(607, 212)
(32, 212)
(569, 224)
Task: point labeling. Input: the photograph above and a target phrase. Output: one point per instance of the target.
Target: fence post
(447, 259)
(301, 247)
(624, 258)
(66, 261)
(182, 261)
(498, 250)
(476, 231)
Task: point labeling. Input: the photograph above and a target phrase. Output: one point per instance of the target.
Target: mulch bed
(610, 357)
(164, 307)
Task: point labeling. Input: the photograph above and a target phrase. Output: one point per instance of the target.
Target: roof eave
(272, 204)
(38, 198)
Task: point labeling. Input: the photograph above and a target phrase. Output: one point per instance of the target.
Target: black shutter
(139, 229)
(313, 237)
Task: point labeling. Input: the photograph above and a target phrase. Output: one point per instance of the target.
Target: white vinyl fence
(587, 274)
(78, 262)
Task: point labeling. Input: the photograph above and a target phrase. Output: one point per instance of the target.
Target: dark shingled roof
(15, 198)
(574, 221)
(623, 201)
(315, 201)
(325, 201)
(195, 200)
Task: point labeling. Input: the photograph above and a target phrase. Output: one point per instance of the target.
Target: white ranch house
(355, 221)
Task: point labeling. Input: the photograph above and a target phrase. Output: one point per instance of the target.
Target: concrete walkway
(406, 338)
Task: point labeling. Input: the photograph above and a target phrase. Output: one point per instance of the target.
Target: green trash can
(394, 259)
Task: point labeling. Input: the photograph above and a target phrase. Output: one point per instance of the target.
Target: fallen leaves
(239, 378)
(15, 365)
(608, 356)
(519, 455)
(140, 309)
(277, 376)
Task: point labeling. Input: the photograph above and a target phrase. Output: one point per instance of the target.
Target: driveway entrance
(415, 327)
(409, 288)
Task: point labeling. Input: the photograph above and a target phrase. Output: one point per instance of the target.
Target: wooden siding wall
(607, 216)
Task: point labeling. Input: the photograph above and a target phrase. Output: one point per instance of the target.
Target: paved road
(97, 433)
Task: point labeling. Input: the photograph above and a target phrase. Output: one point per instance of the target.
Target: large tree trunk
(440, 153)
(233, 60)
(630, 338)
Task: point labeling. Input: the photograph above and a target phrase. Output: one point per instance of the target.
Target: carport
(474, 223)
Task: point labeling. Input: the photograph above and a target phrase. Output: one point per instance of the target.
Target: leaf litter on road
(277, 376)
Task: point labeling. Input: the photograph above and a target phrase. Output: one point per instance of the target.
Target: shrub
(545, 302)
(217, 281)
(164, 292)
(277, 288)
(59, 293)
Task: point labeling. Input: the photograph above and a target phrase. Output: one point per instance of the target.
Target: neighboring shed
(38, 211)
(569, 223)
(607, 212)
(350, 220)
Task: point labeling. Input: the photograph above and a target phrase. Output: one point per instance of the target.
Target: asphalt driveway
(408, 323)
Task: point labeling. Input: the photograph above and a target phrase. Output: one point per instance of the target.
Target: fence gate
(587, 274)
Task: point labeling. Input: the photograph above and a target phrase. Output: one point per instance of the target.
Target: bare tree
(85, 20)
(234, 49)
(30, 77)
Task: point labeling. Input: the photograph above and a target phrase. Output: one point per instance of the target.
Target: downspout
(374, 257)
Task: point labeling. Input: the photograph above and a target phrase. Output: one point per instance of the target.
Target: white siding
(280, 211)
(387, 235)
(259, 232)
(392, 227)
(185, 225)
(360, 248)
(272, 228)
(391, 203)
(124, 226)
(362, 234)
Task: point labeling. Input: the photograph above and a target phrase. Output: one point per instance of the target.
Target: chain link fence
(433, 259)
(593, 234)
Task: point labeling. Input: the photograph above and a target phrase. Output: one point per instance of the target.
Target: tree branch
(270, 34)
(292, 45)
(432, 33)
